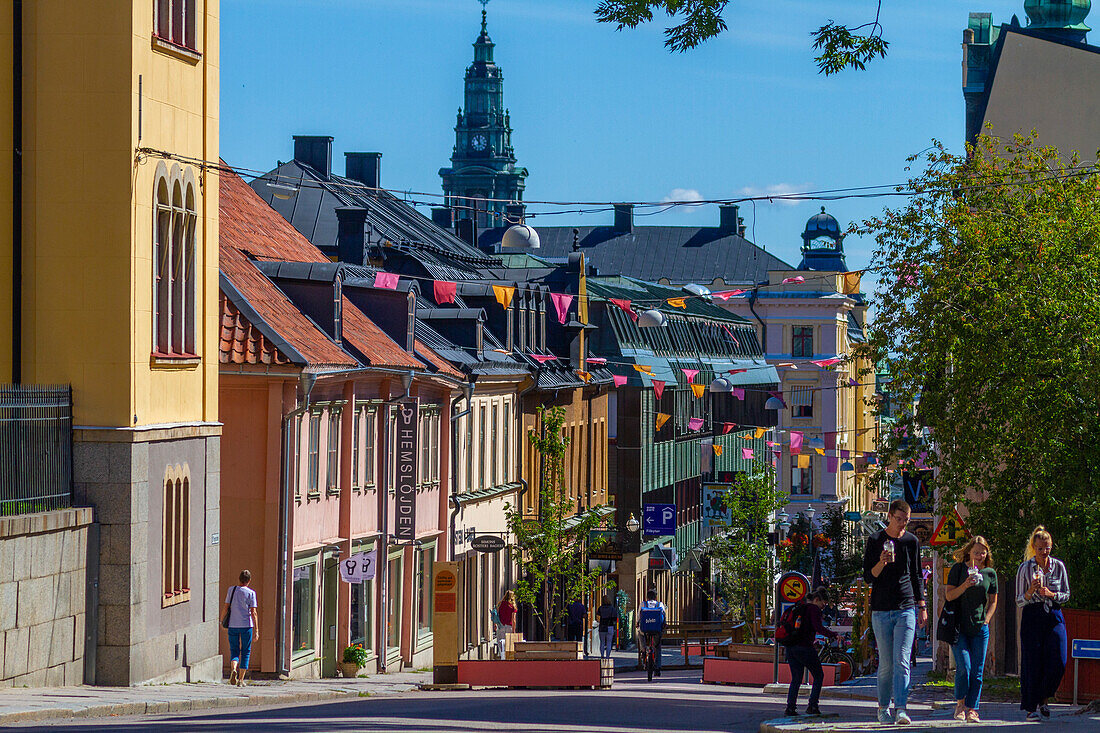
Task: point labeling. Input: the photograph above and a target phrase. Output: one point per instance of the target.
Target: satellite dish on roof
(520, 236)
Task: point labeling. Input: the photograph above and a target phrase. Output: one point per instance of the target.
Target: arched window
(174, 281)
(176, 537)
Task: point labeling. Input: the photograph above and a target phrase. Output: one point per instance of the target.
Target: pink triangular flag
(830, 464)
(658, 387)
(562, 301)
(727, 427)
(597, 360)
(620, 380)
(738, 393)
(736, 371)
(746, 453)
(728, 294)
(772, 444)
(625, 305)
(445, 292)
(695, 423)
(386, 280)
(541, 359)
(825, 362)
(796, 442)
(795, 279)
(690, 373)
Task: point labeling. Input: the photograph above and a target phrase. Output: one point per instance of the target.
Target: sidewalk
(866, 687)
(22, 705)
(1002, 717)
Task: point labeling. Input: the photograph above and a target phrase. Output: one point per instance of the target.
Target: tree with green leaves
(987, 317)
(552, 545)
(741, 556)
(839, 46)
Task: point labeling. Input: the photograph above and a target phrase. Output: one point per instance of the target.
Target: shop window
(425, 561)
(302, 610)
(393, 603)
(175, 538)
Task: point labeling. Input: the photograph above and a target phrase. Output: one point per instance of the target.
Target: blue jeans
(969, 664)
(607, 642)
(240, 645)
(894, 634)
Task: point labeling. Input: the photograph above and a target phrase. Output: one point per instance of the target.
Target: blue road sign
(1086, 649)
(659, 519)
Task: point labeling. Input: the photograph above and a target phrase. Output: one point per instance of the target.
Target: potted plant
(355, 658)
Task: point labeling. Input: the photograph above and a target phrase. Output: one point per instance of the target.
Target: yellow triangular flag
(851, 282)
(698, 390)
(803, 461)
(746, 437)
(504, 295)
(662, 418)
(678, 302)
(820, 451)
(760, 433)
(644, 369)
(584, 375)
(717, 450)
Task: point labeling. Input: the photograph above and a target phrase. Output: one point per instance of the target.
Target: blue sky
(600, 115)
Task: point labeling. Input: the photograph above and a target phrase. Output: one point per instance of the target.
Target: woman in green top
(972, 582)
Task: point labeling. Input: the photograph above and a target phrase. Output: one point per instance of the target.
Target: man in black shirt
(891, 564)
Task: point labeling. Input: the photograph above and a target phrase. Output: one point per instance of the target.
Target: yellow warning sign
(949, 531)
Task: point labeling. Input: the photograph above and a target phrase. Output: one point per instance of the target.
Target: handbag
(947, 628)
(225, 618)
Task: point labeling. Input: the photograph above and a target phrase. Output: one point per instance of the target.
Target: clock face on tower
(479, 142)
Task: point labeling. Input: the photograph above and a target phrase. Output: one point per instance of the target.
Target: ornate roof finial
(484, 28)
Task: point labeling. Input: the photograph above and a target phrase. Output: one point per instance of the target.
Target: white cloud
(683, 195)
(777, 189)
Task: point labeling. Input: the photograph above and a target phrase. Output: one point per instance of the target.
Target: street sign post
(659, 519)
(1083, 649)
(791, 588)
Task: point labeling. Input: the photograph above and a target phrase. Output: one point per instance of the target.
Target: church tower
(483, 163)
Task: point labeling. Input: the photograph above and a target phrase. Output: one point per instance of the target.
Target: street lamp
(652, 318)
(632, 524)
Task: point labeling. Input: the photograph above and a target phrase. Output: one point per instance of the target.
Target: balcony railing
(36, 448)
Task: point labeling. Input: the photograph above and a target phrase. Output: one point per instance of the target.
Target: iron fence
(36, 448)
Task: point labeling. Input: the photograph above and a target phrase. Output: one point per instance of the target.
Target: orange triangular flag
(820, 451)
(760, 433)
(717, 450)
(643, 368)
(584, 375)
(662, 418)
(698, 390)
(504, 295)
(678, 302)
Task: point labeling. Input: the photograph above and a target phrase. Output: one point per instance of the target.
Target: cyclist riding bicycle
(652, 618)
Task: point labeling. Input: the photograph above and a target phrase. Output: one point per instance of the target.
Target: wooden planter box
(550, 650)
(752, 653)
(737, 672)
(537, 673)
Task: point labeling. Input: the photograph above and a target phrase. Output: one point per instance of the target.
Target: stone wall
(43, 577)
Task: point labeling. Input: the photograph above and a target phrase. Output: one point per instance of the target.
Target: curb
(836, 692)
(159, 707)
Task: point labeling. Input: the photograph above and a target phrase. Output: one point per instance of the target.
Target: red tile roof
(250, 229)
(240, 342)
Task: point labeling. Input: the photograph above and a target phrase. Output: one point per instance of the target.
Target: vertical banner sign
(405, 502)
(445, 622)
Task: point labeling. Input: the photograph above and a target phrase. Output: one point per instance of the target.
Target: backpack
(651, 619)
(789, 630)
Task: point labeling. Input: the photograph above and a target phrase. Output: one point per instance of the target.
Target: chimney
(514, 213)
(624, 218)
(727, 218)
(442, 217)
(349, 235)
(466, 230)
(741, 227)
(364, 167)
(315, 151)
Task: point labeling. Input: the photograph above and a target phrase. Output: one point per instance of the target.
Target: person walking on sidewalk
(891, 565)
(506, 612)
(578, 616)
(244, 627)
(1042, 587)
(972, 584)
(608, 615)
(801, 655)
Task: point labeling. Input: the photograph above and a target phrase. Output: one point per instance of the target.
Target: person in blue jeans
(244, 627)
(972, 585)
(891, 565)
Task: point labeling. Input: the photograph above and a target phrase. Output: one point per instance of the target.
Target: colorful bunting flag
(795, 279)
(597, 360)
(736, 371)
(773, 444)
(542, 359)
(830, 440)
(677, 302)
(778, 396)
(444, 291)
(844, 454)
(562, 301)
(658, 387)
(853, 382)
(738, 392)
(728, 294)
(695, 423)
(620, 380)
(504, 295)
(717, 450)
(698, 390)
(583, 375)
(826, 362)
(796, 442)
(746, 453)
(625, 305)
(803, 461)
(760, 433)
(386, 280)
(746, 437)
(690, 373)
(820, 451)
(643, 368)
(830, 464)
(727, 427)
(851, 282)
(789, 364)
(662, 418)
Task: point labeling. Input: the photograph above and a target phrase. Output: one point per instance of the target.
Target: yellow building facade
(109, 282)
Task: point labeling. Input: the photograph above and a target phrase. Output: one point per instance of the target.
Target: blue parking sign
(659, 519)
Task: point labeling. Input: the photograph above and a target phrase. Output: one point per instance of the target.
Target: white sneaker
(902, 718)
(1034, 717)
(884, 716)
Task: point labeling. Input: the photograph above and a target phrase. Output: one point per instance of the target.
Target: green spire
(1067, 15)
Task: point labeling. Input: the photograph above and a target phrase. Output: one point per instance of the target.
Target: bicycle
(650, 653)
(832, 653)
